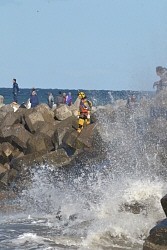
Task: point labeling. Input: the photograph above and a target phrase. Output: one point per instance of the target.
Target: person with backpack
(84, 111)
(15, 90)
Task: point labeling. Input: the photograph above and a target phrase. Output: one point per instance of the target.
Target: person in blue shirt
(34, 99)
(15, 90)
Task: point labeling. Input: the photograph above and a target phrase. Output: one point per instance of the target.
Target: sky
(82, 44)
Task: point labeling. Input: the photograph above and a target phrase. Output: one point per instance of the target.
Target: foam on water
(108, 206)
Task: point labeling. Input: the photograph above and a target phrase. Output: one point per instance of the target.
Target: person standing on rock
(59, 99)
(50, 100)
(15, 90)
(34, 99)
(69, 99)
(84, 111)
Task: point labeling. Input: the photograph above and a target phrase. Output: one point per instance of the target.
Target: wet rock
(12, 175)
(34, 120)
(62, 112)
(82, 140)
(164, 204)
(157, 240)
(135, 208)
(57, 158)
(29, 160)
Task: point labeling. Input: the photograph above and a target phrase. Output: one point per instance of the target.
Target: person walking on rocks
(15, 90)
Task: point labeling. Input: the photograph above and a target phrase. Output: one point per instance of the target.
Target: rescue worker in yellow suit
(84, 111)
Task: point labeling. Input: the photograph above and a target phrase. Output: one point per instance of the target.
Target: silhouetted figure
(15, 90)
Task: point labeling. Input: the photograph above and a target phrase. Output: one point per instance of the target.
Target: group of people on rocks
(84, 107)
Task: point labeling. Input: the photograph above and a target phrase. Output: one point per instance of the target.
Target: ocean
(97, 206)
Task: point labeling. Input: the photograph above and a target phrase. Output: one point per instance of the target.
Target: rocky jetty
(157, 240)
(41, 136)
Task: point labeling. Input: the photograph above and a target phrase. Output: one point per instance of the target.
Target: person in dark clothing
(59, 99)
(34, 99)
(15, 90)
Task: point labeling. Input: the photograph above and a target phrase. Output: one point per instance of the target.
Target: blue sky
(82, 44)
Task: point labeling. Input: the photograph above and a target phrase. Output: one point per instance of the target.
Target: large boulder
(62, 112)
(10, 119)
(62, 128)
(46, 112)
(4, 110)
(29, 160)
(20, 136)
(164, 204)
(34, 120)
(39, 142)
(157, 239)
(82, 140)
(57, 158)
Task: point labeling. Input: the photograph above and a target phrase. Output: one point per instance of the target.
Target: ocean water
(98, 97)
(97, 206)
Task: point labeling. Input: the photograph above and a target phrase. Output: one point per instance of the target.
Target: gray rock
(34, 120)
(62, 112)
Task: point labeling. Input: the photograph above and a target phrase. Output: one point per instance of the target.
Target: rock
(28, 160)
(7, 149)
(34, 120)
(49, 129)
(1, 101)
(20, 136)
(6, 133)
(62, 112)
(39, 142)
(46, 112)
(57, 158)
(12, 175)
(6, 109)
(62, 128)
(82, 140)
(74, 109)
(164, 204)
(157, 240)
(4, 180)
(2, 169)
(7, 166)
(10, 119)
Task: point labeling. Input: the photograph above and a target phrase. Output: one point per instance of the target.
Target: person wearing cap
(84, 111)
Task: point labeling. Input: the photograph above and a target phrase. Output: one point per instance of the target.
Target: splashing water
(103, 206)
